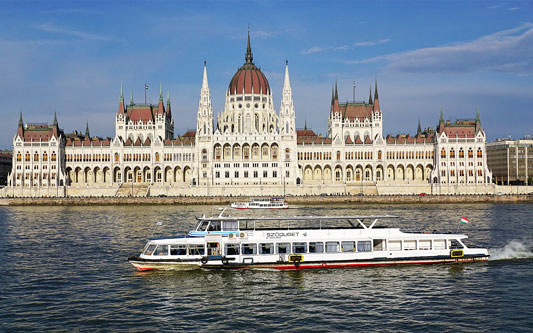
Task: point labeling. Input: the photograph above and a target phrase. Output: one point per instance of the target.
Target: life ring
(225, 261)
(204, 260)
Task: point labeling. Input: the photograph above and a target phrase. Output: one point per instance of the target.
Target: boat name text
(278, 235)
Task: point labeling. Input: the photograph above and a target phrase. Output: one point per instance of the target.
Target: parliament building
(248, 149)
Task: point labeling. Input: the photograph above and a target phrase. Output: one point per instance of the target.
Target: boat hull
(146, 265)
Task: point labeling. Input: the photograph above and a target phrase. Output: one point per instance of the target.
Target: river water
(65, 268)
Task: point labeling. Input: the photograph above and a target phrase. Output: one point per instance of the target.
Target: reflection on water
(65, 268)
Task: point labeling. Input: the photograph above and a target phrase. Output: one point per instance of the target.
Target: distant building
(511, 161)
(6, 159)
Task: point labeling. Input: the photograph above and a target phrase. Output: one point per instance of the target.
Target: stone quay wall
(299, 200)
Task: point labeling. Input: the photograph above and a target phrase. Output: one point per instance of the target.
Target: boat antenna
(156, 225)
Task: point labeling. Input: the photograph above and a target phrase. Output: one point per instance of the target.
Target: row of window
(28, 176)
(36, 157)
(461, 153)
(307, 156)
(246, 174)
(88, 157)
(462, 173)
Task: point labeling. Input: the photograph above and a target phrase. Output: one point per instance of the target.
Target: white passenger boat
(283, 243)
(261, 203)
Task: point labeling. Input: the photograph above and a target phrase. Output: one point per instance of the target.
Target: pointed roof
(358, 140)
(419, 129)
(370, 96)
(287, 82)
(249, 57)
(160, 92)
(368, 140)
(348, 140)
(87, 134)
(55, 119)
(147, 142)
(205, 83)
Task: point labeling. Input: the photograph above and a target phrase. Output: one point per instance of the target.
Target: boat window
(439, 244)
(249, 248)
(203, 226)
(214, 226)
(409, 245)
(232, 249)
(196, 249)
(284, 248)
(150, 250)
(395, 245)
(379, 245)
(364, 246)
(178, 250)
(424, 244)
(162, 250)
(332, 247)
(231, 225)
(299, 247)
(266, 248)
(316, 247)
(348, 246)
(454, 244)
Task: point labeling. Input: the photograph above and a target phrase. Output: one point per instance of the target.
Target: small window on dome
(247, 105)
(263, 106)
(240, 106)
(256, 105)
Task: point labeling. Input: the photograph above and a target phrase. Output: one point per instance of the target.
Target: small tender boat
(261, 203)
(282, 243)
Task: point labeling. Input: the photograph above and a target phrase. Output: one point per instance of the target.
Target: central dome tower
(249, 107)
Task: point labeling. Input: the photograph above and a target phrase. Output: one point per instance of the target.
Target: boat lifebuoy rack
(204, 260)
(225, 261)
(456, 253)
(296, 259)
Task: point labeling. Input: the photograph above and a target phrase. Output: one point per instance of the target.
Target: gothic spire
(419, 129)
(376, 90)
(121, 94)
(287, 83)
(131, 99)
(370, 95)
(305, 126)
(332, 95)
(168, 98)
(441, 116)
(336, 91)
(478, 120)
(21, 123)
(87, 134)
(249, 57)
(160, 92)
(55, 119)
(205, 84)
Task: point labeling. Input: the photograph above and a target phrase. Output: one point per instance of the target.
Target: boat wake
(512, 250)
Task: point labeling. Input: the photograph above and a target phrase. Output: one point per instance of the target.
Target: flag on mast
(145, 86)
(464, 220)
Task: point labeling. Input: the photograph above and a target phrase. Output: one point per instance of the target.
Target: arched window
(287, 154)
(157, 157)
(461, 153)
(27, 157)
(379, 154)
(45, 157)
(443, 153)
(54, 157)
(204, 155)
(19, 157)
(479, 153)
(338, 155)
(470, 153)
(452, 153)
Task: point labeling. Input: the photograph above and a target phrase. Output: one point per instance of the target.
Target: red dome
(249, 77)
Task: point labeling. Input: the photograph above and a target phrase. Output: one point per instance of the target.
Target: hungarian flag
(464, 220)
(354, 84)
(145, 86)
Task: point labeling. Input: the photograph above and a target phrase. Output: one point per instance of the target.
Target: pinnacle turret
(21, 123)
(160, 92)
(249, 57)
(55, 119)
(87, 134)
(370, 96)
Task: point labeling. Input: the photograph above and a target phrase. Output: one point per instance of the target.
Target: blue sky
(72, 57)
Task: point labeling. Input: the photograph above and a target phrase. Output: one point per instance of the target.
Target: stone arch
(204, 155)
(391, 172)
(274, 151)
(137, 175)
(128, 175)
(265, 152)
(338, 174)
(178, 175)
(168, 175)
(97, 175)
(158, 175)
(317, 174)
(87, 174)
(380, 173)
(349, 174)
(217, 152)
(117, 175)
(400, 172)
(227, 152)
(368, 173)
(326, 174)
(409, 172)
(427, 171)
(106, 173)
(255, 153)
(358, 173)
(419, 173)
(308, 174)
(237, 152)
(246, 151)
(147, 174)
(187, 173)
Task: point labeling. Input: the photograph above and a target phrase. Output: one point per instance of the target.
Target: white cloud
(47, 27)
(372, 43)
(314, 49)
(504, 51)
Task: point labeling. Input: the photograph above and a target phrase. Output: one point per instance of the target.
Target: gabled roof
(348, 140)
(352, 111)
(189, 133)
